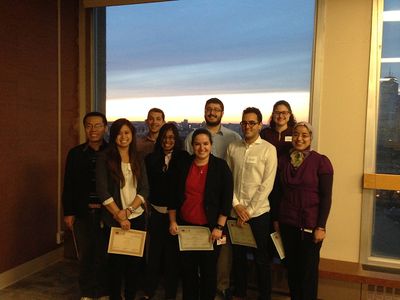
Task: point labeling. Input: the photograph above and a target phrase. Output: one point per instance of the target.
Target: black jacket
(161, 180)
(218, 192)
(80, 180)
(107, 187)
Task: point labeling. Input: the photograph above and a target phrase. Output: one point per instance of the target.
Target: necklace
(201, 169)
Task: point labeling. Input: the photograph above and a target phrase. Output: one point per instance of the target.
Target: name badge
(251, 159)
(222, 240)
(288, 138)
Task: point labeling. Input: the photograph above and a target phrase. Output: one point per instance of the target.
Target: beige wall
(340, 115)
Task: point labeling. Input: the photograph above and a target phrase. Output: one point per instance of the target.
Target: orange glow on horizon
(178, 108)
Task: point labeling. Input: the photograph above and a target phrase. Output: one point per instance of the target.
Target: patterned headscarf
(297, 157)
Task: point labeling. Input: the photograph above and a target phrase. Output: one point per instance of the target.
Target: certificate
(276, 238)
(241, 235)
(126, 242)
(194, 238)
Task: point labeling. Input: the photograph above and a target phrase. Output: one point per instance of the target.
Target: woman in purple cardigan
(301, 210)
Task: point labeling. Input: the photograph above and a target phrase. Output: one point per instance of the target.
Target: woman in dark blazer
(161, 166)
(122, 187)
(203, 196)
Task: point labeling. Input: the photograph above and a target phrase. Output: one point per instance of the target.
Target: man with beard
(155, 120)
(221, 137)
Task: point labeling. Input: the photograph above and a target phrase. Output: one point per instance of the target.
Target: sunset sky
(175, 55)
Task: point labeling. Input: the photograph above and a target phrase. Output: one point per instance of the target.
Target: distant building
(388, 139)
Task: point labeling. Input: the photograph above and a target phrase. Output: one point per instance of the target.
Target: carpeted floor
(60, 281)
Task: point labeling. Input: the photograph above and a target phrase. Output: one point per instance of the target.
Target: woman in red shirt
(204, 191)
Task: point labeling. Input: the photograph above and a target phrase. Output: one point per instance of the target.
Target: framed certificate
(276, 238)
(241, 235)
(194, 238)
(126, 242)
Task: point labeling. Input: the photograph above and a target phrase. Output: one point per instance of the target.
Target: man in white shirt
(253, 162)
(222, 137)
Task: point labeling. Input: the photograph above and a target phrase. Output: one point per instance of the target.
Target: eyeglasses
(217, 110)
(279, 113)
(95, 126)
(250, 123)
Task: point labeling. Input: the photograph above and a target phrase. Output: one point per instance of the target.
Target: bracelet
(320, 228)
(219, 227)
(131, 209)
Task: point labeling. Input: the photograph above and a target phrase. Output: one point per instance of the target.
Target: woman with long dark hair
(161, 166)
(122, 188)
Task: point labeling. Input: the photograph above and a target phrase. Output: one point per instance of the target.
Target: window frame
(373, 181)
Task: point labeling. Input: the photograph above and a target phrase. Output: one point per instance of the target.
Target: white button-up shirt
(253, 167)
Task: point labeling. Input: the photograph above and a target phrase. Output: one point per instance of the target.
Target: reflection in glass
(388, 134)
(386, 226)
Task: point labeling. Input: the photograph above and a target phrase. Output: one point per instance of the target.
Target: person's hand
(125, 224)
(319, 235)
(173, 228)
(242, 213)
(69, 221)
(275, 224)
(240, 222)
(216, 234)
(121, 215)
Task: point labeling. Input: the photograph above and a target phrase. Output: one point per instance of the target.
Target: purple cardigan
(305, 194)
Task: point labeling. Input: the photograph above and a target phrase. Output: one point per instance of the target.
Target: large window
(175, 55)
(382, 203)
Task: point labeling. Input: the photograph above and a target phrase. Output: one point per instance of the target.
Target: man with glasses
(253, 162)
(222, 137)
(82, 208)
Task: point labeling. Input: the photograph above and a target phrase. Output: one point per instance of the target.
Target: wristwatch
(219, 227)
(131, 209)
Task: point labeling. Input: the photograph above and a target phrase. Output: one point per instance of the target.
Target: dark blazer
(218, 192)
(107, 187)
(161, 182)
(79, 180)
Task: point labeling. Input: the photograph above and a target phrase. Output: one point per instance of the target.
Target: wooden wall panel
(29, 124)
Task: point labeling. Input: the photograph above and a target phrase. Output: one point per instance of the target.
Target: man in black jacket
(82, 208)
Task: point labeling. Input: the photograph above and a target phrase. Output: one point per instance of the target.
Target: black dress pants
(302, 260)
(91, 240)
(126, 269)
(260, 228)
(199, 274)
(162, 254)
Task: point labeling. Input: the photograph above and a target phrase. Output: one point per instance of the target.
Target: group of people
(269, 179)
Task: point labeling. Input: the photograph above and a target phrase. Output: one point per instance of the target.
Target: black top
(80, 180)
(283, 143)
(160, 177)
